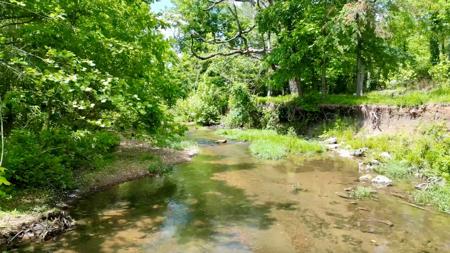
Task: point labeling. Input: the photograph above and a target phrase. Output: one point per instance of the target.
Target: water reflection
(226, 201)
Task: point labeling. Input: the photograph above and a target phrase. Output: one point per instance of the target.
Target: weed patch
(362, 192)
(268, 144)
(436, 196)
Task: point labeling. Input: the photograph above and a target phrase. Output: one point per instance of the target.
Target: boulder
(381, 181)
(344, 153)
(365, 178)
(374, 162)
(191, 152)
(422, 186)
(386, 155)
(332, 140)
(332, 146)
(360, 152)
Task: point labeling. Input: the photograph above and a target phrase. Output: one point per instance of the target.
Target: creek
(225, 200)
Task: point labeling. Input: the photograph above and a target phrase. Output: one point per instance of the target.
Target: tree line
(336, 46)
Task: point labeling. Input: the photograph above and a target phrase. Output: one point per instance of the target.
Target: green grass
(268, 144)
(386, 97)
(436, 196)
(362, 192)
(183, 145)
(26, 201)
(395, 169)
(158, 167)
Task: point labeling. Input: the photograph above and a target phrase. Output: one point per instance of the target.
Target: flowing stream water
(225, 200)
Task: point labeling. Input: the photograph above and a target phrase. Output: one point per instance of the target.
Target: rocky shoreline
(368, 175)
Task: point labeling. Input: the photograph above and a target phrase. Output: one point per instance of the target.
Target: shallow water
(227, 201)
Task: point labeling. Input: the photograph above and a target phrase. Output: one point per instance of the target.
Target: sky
(160, 5)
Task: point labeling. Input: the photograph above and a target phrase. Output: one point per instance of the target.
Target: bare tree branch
(252, 52)
(243, 47)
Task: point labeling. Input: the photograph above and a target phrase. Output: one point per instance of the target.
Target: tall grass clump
(437, 196)
(362, 192)
(268, 144)
(395, 169)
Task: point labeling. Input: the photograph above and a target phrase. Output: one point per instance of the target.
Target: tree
(85, 64)
(364, 22)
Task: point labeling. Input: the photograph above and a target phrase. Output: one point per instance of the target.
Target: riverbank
(34, 216)
(405, 146)
(226, 191)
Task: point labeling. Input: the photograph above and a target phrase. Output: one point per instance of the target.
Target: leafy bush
(440, 73)
(48, 158)
(243, 111)
(270, 117)
(205, 107)
(3, 181)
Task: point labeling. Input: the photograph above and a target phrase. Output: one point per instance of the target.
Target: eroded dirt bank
(371, 119)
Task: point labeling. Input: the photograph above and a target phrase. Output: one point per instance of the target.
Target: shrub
(205, 106)
(270, 117)
(440, 73)
(48, 158)
(158, 167)
(243, 111)
(3, 182)
(32, 160)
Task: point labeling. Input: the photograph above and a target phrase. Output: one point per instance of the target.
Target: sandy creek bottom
(227, 201)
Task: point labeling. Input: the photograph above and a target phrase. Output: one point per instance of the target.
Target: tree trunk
(360, 69)
(294, 86)
(324, 80)
(434, 51)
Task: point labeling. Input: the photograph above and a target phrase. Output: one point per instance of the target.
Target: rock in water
(374, 163)
(386, 155)
(365, 178)
(332, 146)
(221, 141)
(382, 181)
(192, 152)
(332, 140)
(344, 153)
(422, 186)
(359, 152)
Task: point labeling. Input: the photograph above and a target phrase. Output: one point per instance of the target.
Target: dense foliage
(77, 75)
(323, 46)
(72, 73)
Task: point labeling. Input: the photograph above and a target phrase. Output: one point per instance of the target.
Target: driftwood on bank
(44, 227)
